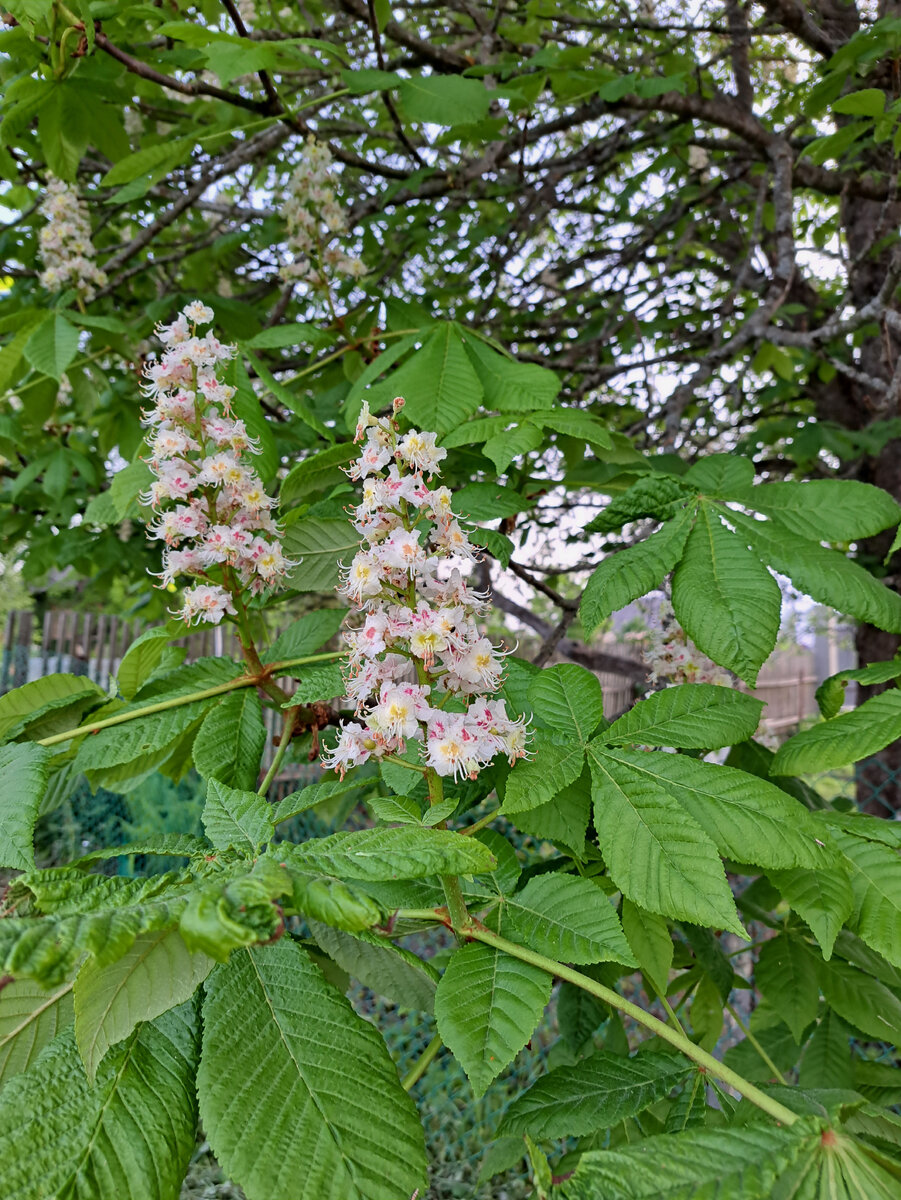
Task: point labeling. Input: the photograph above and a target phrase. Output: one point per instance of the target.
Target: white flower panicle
(315, 220)
(671, 655)
(419, 668)
(66, 247)
(213, 512)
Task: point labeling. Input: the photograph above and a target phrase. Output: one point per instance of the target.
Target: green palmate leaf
(725, 599)
(128, 1136)
(377, 963)
(322, 543)
(822, 897)
(380, 854)
(52, 346)
(830, 695)
(633, 572)
(723, 475)
(318, 471)
(568, 699)
(692, 715)
(139, 744)
(649, 937)
(511, 386)
(232, 817)
(439, 382)
(786, 974)
(657, 855)
(876, 884)
(144, 160)
(740, 1163)
(831, 510)
(827, 1056)
(487, 1007)
(565, 917)
(306, 635)
(46, 949)
(315, 793)
(512, 443)
(659, 496)
(68, 694)
(30, 1017)
(555, 763)
(827, 575)
(487, 501)
(576, 423)
(564, 819)
(24, 770)
(861, 1000)
(332, 1117)
(595, 1093)
(143, 656)
(322, 681)
(845, 739)
(231, 739)
(157, 973)
(748, 819)
(444, 100)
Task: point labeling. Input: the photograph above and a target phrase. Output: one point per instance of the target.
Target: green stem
(671, 1015)
(422, 1063)
(148, 710)
(402, 762)
(730, 1009)
(705, 1061)
(479, 825)
(453, 893)
(288, 722)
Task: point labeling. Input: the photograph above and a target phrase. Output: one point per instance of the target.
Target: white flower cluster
(419, 648)
(214, 514)
(66, 247)
(314, 220)
(671, 655)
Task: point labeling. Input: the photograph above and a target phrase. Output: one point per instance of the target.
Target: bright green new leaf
(827, 575)
(691, 715)
(511, 386)
(633, 572)
(334, 1120)
(306, 635)
(157, 973)
(322, 543)
(868, 102)
(230, 741)
(847, 738)
(741, 1163)
(438, 382)
(315, 793)
(657, 855)
(593, 1094)
(723, 475)
(830, 695)
(828, 510)
(52, 346)
(380, 854)
(232, 817)
(659, 496)
(556, 761)
(23, 778)
(565, 917)
(747, 818)
(30, 1017)
(487, 1006)
(444, 100)
(725, 599)
(143, 656)
(568, 699)
(128, 1136)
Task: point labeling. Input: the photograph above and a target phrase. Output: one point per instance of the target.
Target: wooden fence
(93, 645)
